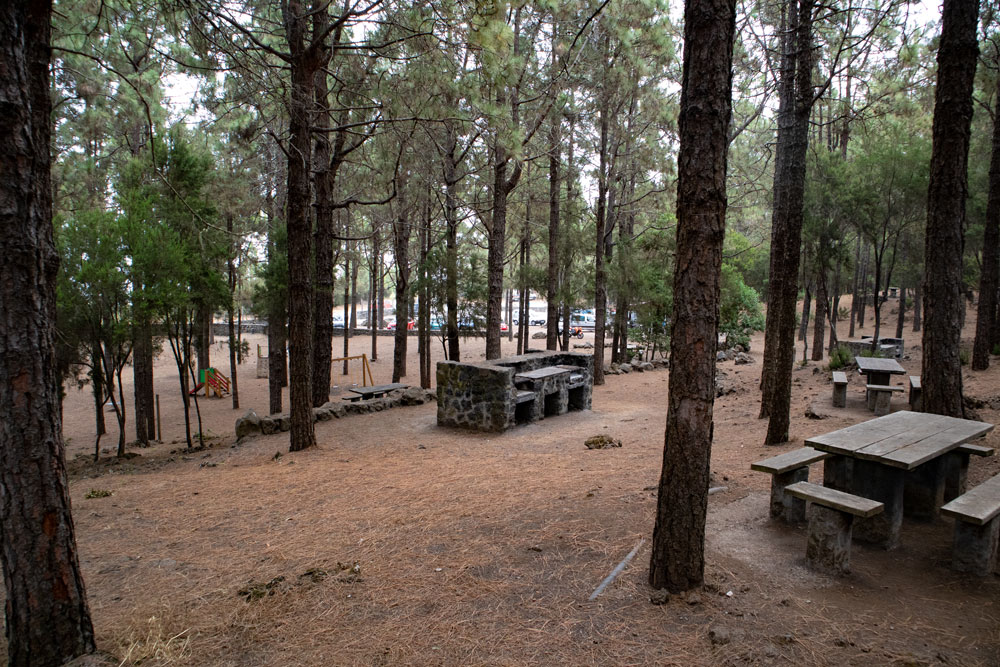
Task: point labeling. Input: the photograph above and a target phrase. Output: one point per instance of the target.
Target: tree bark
(819, 327)
(142, 372)
(552, 272)
(918, 305)
(789, 193)
(233, 343)
(902, 312)
(47, 617)
(322, 351)
(677, 562)
(989, 280)
(303, 63)
(401, 242)
(941, 373)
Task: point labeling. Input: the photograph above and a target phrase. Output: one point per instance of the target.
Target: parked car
(410, 324)
(503, 327)
(537, 322)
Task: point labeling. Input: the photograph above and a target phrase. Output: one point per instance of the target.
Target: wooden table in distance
(373, 392)
(887, 458)
(878, 370)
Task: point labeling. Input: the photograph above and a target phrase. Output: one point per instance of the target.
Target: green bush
(964, 355)
(868, 352)
(996, 349)
(97, 493)
(841, 357)
(740, 311)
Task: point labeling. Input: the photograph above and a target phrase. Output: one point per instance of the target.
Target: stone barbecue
(497, 395)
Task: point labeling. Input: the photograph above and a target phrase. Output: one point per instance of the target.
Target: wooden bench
(957, 468)
(373, 392)
(977, 527)
(786, 469)
(839, 389)
(878, 397)
(831, 518)
(916, 398)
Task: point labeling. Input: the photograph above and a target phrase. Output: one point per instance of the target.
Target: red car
(409, 325)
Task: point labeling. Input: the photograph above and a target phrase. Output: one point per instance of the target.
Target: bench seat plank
(978, 450)
(978, 505)
(838, 500)
(782, 463)
(882, 387)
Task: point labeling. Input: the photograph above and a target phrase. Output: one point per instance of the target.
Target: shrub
(996, 349)
(841, 357)
(97, 493)
(964, 355)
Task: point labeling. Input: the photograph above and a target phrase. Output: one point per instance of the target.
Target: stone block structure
(497, 395)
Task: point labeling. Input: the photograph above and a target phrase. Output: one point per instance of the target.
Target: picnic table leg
(975, 547)
(837, 473)
(923, 493)
(956, 470)
(785, 505)
(884, 484)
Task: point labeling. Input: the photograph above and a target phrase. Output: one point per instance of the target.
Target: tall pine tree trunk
(941, 372)
(789, 194)
(303, 63)
(47, 617)
(989, 281)
(677, 562)
(142, 369)
(401, 241)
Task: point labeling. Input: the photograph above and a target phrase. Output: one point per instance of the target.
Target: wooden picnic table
(903, 453)
(373, 392)
(878, 369)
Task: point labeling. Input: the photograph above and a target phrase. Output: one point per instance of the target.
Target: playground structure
(213, 382)
(366, 379)
(366, 373)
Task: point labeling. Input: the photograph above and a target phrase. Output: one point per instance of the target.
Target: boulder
(602, 442)
(625, 367)
(248, 425)
(643, 366)
(742, 358)
(268, 425)
(538, 335)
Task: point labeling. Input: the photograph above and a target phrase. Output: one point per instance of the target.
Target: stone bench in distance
(785, 469)
(878, 397)
(957, 468)
(831, 519)
(916, 396)
(977, 528)
(839, 389)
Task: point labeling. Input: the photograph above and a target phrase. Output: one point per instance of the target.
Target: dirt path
(480, 549)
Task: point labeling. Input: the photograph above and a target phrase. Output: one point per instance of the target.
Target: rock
(717, 489)
(413, 396)
(625, 367)
(742, 359)
(538, 335)
(248, 425)
(602, 442)
(722, 355)
(283, 422)
(321, 414)
(335, 409)
(268, 425)
(719, 635)
(693, 599)
(815, 411)
(660, 363)
(644, 366)
(583, 346)
(723, 386)
(659, 597)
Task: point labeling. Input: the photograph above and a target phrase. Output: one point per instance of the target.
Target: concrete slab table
(878, 370)
(903, 455)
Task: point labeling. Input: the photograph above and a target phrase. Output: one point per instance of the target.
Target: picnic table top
(378, 389)
(879, 365)
(541, 373)
(902, 439)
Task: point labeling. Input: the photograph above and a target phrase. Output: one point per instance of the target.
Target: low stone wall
(251, 424)
(484, 396)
